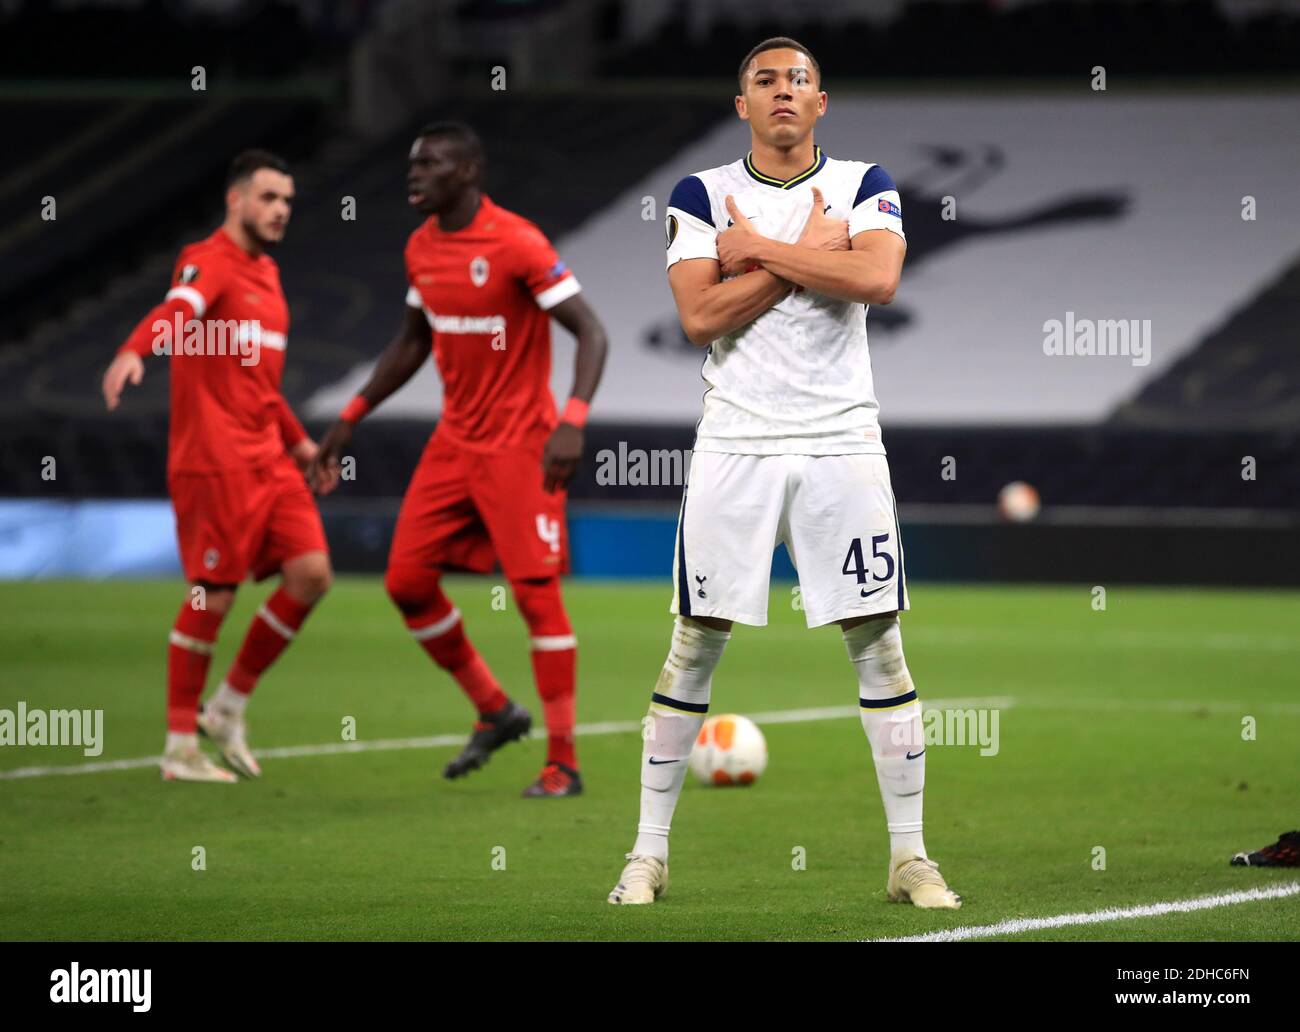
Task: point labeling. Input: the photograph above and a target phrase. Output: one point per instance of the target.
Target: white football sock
(181, 742)
(891, 717)
(229, 701)
(677, 709)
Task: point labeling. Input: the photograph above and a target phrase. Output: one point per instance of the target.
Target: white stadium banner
(1096, 207)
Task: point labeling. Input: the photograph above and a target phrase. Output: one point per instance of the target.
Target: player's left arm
(556, 292)
(296, 440)
(867, 270)
(564, 447)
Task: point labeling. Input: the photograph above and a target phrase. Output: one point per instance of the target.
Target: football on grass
(730, 750)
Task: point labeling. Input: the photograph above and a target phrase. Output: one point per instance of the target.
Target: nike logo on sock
(911, 757)
(656, 763)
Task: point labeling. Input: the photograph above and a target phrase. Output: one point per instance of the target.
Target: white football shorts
(835, 514)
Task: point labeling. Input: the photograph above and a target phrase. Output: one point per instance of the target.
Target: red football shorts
(468, 510)
(244, 521)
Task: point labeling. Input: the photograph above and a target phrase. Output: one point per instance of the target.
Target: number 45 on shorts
(855, 565)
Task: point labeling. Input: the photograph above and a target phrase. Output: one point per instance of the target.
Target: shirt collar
(819, 161)
(485, 209)
(228, 242)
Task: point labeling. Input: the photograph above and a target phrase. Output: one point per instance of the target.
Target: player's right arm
(127, 366)
(187, 299)
(709, 306)
(401, 360)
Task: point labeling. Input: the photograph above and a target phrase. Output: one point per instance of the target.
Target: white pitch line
(1102, 639)
(1035, 924)
(793, 716)
(608, 727)
(1190, 707)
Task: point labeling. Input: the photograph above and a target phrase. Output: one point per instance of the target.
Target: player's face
(263, 204)
(437, 174)
(782, 99)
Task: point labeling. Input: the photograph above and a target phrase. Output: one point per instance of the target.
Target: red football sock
(554, 671)
(441, 633)
(272, 629)
(189, 653)
(555, 663)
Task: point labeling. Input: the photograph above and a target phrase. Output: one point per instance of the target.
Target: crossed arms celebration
(823, 259)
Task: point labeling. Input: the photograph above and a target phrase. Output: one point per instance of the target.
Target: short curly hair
(247, 162)
(778, 43)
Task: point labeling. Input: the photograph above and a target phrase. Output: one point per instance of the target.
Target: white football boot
(226, 730)
(644, 880)
(192, 764)
(918, 881)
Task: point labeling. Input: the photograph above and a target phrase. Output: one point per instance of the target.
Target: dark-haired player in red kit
(235, 462)
(484, 284)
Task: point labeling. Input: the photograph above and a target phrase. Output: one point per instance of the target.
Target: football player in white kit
(772, 261)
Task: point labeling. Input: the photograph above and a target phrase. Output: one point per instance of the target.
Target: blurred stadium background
(1123, 204)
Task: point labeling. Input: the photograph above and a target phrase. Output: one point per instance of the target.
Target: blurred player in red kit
(483, 285)
(236, 458)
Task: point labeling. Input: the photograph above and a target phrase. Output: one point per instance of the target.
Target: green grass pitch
(1121, 729)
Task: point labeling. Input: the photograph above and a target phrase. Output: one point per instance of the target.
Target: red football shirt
(485, 291)
(226, 408)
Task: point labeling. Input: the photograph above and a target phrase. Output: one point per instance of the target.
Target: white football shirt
(797, 380)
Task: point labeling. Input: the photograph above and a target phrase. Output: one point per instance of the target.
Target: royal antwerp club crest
(478, 271)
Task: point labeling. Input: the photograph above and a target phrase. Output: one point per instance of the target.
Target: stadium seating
(1245, 373)
(953, 38)
(124, 175)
